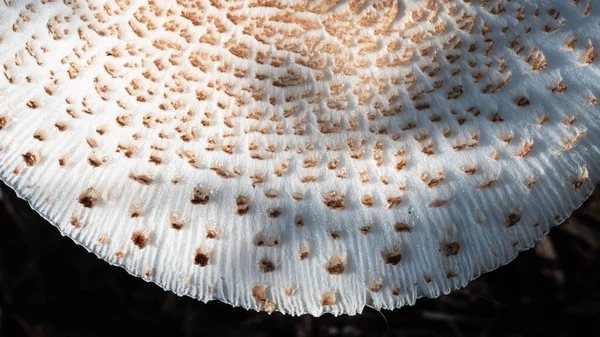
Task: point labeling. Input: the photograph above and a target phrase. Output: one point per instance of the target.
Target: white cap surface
(302, 156)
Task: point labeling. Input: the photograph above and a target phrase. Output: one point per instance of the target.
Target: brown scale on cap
(243, 204)
(289, 290)
(274, 212)
(334, 234)
(139, 239)
(262, 240)
(375, 286)
(393, 201)
(266, 265)
(260, 298)
(175, 221)
(451, 249)
(437, 203)
(211, 233)
(88, 198)
(366, 229)
(75, 222)
(201, 258)
(141, 178)
(512, 219)
(303, 251)
(135, 210)
(333, 200)
(402, 227)
(335, 265)
(391, 255)
(582, 178)
(30, 158)
(199, 197)
(328, 298)
(101, 239)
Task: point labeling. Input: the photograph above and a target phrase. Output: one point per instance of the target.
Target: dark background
(51, 287)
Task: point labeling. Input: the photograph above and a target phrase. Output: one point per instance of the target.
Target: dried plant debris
(459, 132)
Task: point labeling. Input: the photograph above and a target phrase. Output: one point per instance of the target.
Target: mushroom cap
(302, 156)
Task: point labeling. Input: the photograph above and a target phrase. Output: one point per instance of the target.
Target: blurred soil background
(51, 287)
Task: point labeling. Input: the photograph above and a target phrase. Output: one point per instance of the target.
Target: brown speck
(432, 181)
(582, 178)
(274, 212)
(335, 266)
(525, 149)
(135, 210)
(94, 162)
(222, 173)
(298, 221)
(88, 198)
(401, 227)
(392, 255)
(334, 234)
(303, 251)
(141, 178)
(211, 234)
(366, 229)
(30, 158)
(333, 200)
(271, 193)
(101, 239)
(148, 272)
(451, 274)
(3, 122)
(512, 220)
(438, 203)
(139, 239)
(469, 170)
(262, 240)
(62, 161)
(375, 286)
(396, 291)
(393, 201)
(589, 55)
(175, 221)
(199, 197)
(32, 104)
(400, 164)
(201, 258)
(522, 101)
(451, 248)
(119, 254)
(266, 265)
(75, 222)
(156, 160)
(289, 290)
(243, 204)
(39, 135)
(327, 298)
(259, 296)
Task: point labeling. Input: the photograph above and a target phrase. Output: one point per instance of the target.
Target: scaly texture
(302, 156)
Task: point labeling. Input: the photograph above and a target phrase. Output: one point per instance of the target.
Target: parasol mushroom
(303, 157)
